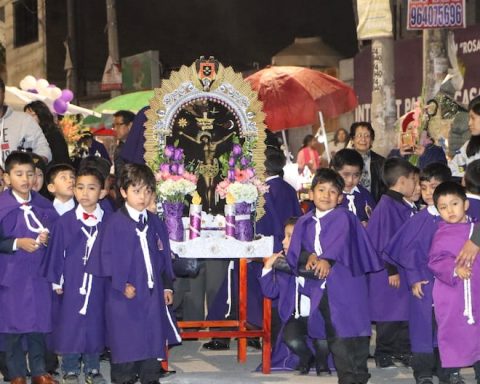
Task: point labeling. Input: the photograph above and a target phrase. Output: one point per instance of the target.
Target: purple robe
(344, 241)
(72, 331)
(458, 341)
(25, 295)
(363, 201)
(474, 208)
(408, 250)
(281, 203)
(387, 303)
(142, 327)
(133, 150)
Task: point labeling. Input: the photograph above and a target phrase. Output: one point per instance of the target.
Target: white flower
(243, 192)
(170, 188)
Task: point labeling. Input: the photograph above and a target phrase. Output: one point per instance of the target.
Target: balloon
(67, 95)
(55, 93)
(28, 82)
(60, 106)
(32, 90)
(44, 91)
(42, 83)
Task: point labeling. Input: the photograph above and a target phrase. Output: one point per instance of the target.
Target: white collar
(91, 221)
(20, 199)
(272, 177)
(354, 190)
(473, 196)
(63, 207)
(320, 214)
(412, 205)
(134, 214)
(433, 210)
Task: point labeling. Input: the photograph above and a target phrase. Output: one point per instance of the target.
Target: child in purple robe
(133, 252)
(471, 181)
(408, 251)
(455, 290)
(349, 164)
(60, 180)
(340, 255)
(79, 324)
(388, 293)
(25, 296)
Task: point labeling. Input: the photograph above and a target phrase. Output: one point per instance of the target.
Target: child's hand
(59, 291)
(322, 268)
(168, 296)
(417, 288)
(311, 262)
(268, 262)
(463, 273)
(43, 238)
(394, 281)
(129, 291)
(27, 244)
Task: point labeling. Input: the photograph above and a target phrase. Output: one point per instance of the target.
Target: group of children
(76, 277)
(353, 262)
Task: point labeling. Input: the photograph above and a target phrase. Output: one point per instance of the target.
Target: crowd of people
(86, 266)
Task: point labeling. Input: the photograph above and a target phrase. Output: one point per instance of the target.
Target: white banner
(374, 19)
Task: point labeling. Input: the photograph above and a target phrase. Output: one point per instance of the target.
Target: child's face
(137, 196)
(427, 188)
(351, 176)
(406, 185)
(152, 206)
(452, 208)
(62, 186)
(38, 183)
(21, 178)
(474, 123)
(287, 238)
(417, 191)
(88, 191)
(325, 196)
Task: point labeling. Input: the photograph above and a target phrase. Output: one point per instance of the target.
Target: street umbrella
(293, 96)
(130, 101)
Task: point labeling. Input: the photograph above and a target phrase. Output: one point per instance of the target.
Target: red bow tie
(26, 203)
(87, 215)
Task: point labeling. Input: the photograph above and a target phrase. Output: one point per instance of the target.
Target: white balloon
(29, 82)
(42, 83)
(23, 85)
(55, 93)
(44, 91)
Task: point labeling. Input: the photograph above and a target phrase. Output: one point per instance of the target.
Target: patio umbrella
(293, 96)
(130, 101)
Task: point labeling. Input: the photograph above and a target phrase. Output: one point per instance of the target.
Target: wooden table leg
(242, 312)
(267, 340)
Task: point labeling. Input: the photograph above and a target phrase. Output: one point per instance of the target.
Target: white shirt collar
(409, 203)
(20, 199)
(272, 177)
(91, 221)
(433, 210)
(62, 207)
(134, 214)
(319, 214)
(354, 190)
(473, 196)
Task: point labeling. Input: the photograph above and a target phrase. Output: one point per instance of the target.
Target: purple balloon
(67, 95)
(60, 106)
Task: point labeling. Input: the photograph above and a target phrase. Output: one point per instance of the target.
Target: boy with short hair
(133, 252)
(349, 164)
(388, 293)
(340, 255)
(25, 296)
(78, 331)
(60, 182)
(408, 250)
(471, 181)
(454, 290)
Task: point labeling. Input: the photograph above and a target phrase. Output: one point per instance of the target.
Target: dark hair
(137, 175)
(55, 169)
(307, 139)
(337, 132)
(126, 116)
(366, 124)
(39, 163)
(438, 171)
(18, 158)
(474, 105)
(327, 175)
(472, 177)
(91, 171)
(291, 221)
(102, 164)
(346, 156)
(473, 145)
(449, 188)
(394, 168)
(45, 117)
(274, 164)
(2, 85)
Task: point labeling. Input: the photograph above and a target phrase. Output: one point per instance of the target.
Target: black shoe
(385, 362)
(404, 359)
(456, 378)
(425, 380)
(216, 345)
(164, 373)
(254, 343)
(303, 369)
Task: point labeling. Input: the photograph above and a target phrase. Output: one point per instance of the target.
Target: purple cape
(73, 332)
(474, 209)
(25, 296)
(387, 303)
(138, 328)
(364, 203)
(408, 250)
(344, 241)
(458, 341)
(133, 150)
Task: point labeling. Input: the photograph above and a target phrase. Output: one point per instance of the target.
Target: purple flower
(174, 169)
(244, 162)
(250, 172)
(236, 150)
(231, 174)
(165, 168)
(178, 154)
(231, 162)
(181, 169)
(169, 151)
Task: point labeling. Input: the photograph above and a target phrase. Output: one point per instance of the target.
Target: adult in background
(19, 131)
(122, 122)
(42, 115)
(340, 141)
(308, 156)
(362, 136)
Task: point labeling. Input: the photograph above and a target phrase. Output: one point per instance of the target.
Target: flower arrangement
(240, 181)
(174, 179)
(72, 129)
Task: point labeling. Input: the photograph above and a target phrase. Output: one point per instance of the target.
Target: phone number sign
(425, 14)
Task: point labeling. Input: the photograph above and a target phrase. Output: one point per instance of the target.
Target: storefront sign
(425, 14)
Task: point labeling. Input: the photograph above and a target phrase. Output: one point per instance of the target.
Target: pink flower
(241, 176)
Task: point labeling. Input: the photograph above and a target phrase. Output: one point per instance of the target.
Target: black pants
(148, 371)
(276, 325)
(15, 355)
(392, 338)
(349, 354)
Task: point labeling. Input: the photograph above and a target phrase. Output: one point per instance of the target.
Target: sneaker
(456, 378)
(425, 380)
(71, 378)
(95, 377)
(385, 362)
